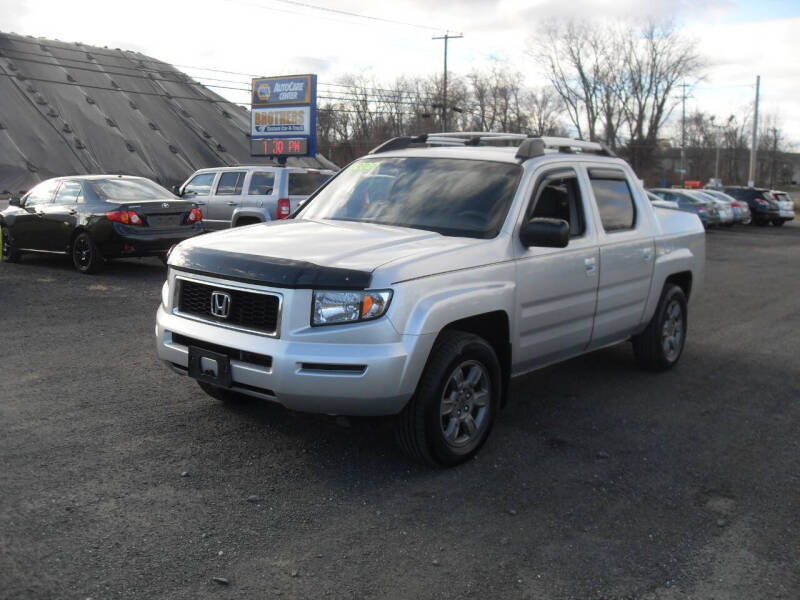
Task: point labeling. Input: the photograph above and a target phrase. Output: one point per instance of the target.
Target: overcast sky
(739, 39)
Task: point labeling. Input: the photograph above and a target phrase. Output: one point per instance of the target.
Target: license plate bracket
(210, 367)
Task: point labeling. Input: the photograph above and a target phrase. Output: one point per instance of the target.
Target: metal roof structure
(69, 108)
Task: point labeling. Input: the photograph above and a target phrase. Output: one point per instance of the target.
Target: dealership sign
(283, 116)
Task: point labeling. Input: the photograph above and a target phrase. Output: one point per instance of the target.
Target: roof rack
(529, 146)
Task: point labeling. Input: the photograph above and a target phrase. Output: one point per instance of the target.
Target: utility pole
(683, 133)
(774, 157)
(751, 180)
(445, 37)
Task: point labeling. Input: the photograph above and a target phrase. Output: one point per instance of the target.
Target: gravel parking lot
(120, 479)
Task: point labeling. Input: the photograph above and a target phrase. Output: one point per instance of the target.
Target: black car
(763, 206)
(96, 217)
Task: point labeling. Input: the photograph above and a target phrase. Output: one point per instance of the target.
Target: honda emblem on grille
(220, 304)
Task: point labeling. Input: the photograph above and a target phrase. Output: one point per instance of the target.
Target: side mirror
(14, 201)
(176, 189)
(545, 233)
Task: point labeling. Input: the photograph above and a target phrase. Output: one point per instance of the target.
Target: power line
(121, 90)
(181, 77)
(359, 15)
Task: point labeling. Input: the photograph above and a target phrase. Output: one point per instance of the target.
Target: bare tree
(616, 81)
(544, 108)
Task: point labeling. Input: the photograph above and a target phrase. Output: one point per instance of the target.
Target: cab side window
(41, 194)
(614, 199)
(200, 185)
(70, 192)
(230, 184)
(558, 196)
(261, 184)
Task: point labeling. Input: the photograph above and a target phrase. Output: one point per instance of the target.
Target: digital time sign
(279, 147)
(283, 116)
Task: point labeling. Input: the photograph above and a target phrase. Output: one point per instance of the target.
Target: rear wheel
(452, 412)
(660, 345)
(761, 221)
(246, 221)
(85, 254)
(778, 222)
(7, 250)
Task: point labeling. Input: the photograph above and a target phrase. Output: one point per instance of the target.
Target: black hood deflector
(267, 270)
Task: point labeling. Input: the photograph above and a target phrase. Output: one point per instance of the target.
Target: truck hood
(304, 253)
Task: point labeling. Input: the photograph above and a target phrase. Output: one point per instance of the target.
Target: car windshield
(454, 197)
(128, 189)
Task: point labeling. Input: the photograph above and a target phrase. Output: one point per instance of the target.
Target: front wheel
(452, 412)
(7, 251)
(660, 345)
(85, 254)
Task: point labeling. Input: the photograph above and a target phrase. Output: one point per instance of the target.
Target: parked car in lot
(785, 207)
(764, 207)
(465, 266)
(659, 201)
(235, 196)
(724, 208)
(705, 209)
(96, 217)
(741, 211)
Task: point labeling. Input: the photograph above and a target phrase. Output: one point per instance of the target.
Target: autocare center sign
(283, 116)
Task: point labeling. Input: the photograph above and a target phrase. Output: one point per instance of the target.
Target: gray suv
(234, 196)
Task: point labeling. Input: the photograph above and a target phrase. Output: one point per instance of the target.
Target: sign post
(283, 117)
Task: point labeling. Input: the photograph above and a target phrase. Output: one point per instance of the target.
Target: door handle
(232, 203)
(72, 211)
(200, 203)
(647, 254)
(39, 213)
(591, 266)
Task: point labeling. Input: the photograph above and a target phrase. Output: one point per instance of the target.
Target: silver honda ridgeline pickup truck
(424, 275)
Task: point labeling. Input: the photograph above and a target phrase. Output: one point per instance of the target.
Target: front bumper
(329, 378)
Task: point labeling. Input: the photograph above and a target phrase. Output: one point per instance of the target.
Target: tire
(660, 345)
(761, 222)
(7, 250)
(221, 394)
(778, 222)
(247, 221)
(86, 255)
(163, 258)
(463, 377)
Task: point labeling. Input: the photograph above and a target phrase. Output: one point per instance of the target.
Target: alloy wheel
(672, 331)
(465, 404)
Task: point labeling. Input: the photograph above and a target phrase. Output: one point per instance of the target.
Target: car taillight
(128, 217)
(284, 208)
(762, 202)
(195, 216)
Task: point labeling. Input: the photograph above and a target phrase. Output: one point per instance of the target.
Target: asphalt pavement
(121, 479)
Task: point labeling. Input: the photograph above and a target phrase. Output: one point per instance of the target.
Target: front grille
(262, 360)
(248, 310)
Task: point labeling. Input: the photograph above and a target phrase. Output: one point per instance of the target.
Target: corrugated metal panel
(74, 109)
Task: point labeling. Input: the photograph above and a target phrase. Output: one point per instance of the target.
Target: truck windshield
(456, 197)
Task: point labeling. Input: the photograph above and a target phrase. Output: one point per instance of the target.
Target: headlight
(330, 308)
(165, 294)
